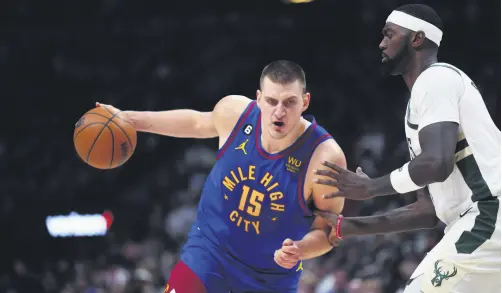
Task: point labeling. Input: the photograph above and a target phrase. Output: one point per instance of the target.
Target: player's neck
(417, 65)
(272, 145)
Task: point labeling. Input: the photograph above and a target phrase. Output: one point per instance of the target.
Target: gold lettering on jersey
(277, 207)
(238, 220)
(293, 164)
(230, 185)
(249, 202)
(266, 179)
(276, 195)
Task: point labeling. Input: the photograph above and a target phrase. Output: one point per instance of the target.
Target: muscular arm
(191, 123)
(316, 242)
(418, 215)
(434, 164)
(436, 100)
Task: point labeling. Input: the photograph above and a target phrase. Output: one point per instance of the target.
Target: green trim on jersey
(410, 125)
(484, 226)
(488, 206)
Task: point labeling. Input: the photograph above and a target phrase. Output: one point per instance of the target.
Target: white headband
(431, 31)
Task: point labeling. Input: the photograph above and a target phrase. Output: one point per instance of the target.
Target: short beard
(394, 66)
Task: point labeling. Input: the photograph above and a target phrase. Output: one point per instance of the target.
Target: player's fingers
(288, 242)
(359, 171)
(280, 257)
(327, 173)
(285, 262)
(293, 252)
(333, 166)
(339, 193)
(327, 182)
(287, 258)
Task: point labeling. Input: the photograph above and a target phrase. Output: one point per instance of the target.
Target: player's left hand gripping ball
(289, 254)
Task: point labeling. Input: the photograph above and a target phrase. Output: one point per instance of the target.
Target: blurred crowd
(58, 58)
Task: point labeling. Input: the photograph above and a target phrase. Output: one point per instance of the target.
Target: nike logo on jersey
(242, 146)
(464, 213)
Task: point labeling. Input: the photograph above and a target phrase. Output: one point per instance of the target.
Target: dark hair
(423, 12)
(284, 72)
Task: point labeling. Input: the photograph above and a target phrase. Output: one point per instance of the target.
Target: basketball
(104, 140)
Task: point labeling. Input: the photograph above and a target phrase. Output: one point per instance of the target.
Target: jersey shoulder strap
(241, 125)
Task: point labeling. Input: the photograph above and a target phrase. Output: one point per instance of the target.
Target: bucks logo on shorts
(440, 275)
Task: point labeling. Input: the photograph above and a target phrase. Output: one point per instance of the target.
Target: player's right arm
(189, 123)
(418, 215)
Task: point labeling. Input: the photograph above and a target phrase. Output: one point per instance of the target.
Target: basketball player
(455, 154)
(254, 225)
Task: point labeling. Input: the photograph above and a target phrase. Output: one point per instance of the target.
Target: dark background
(57, 58)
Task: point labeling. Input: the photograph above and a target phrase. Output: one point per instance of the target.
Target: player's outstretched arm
(186, 122)
(434, 164)
(418, 215)
(438, 133)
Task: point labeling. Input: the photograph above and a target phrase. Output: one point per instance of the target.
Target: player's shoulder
(439, 76)
(328, 150)
(232, 104)
(228, 110)
(231, 107)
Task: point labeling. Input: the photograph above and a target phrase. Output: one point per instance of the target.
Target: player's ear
(258, 97)
(417, 39)
(306, 101)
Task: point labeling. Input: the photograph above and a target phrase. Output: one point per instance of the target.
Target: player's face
(395, 49)
(281, 106)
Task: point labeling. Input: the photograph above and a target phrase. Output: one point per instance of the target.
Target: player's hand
(331, 219)
(109, 108)
(349, 184)
(289, 254)
(123, 114)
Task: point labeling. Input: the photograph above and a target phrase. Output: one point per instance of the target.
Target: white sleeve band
(401, 180)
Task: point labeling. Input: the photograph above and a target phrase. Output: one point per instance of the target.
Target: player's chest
(282, 174)
(262, 193)
(274, 182)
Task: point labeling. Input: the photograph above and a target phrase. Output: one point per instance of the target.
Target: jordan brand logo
(242, 146)
(300, 266)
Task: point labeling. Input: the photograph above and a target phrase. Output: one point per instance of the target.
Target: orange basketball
(104, 140)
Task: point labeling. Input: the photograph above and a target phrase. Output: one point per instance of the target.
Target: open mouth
(279, 124)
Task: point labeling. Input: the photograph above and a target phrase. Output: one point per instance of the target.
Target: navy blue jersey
(252, 200)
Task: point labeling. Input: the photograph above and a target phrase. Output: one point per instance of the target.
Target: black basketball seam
(99, 134)
(125, 133)
(86, 127)
(95, 140)
(113, 146)
(117, 117)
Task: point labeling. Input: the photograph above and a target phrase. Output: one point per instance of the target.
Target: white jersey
(444, 93)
